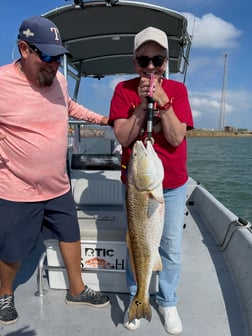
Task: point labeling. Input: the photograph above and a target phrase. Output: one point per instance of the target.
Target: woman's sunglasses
(44, 57)
(144, 61)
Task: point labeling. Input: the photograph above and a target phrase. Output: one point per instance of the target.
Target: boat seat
(99, 200)
(96, 161)
(96, 188)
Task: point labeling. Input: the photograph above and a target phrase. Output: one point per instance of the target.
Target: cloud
(203, 103)
(212, 32)
(206, 108)
(196, 114)
(203, 64)
(104, 88)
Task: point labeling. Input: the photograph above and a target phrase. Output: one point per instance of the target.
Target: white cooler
(102, 223)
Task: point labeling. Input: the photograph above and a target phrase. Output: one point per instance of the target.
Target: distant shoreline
(195, 133)
(208, 133)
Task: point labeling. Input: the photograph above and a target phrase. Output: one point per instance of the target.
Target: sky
(218, 27)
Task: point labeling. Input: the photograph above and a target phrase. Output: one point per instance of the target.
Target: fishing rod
(149, 118)
(150, 111)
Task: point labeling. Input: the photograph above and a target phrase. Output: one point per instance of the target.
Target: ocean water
(224, 167)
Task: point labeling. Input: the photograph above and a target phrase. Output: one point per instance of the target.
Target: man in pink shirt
(34, 186)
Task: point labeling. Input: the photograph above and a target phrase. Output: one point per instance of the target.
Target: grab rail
(238, 224)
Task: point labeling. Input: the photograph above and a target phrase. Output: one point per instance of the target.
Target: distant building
(243, 130)
(230, 129)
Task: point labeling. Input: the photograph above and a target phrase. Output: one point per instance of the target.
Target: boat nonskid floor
(208, 304)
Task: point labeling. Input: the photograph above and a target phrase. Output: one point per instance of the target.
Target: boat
(215, 289)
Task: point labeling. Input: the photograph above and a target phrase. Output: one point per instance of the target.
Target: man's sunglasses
(144, 61)
(44, 57)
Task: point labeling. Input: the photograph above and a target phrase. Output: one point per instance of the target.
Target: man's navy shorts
(21, 224)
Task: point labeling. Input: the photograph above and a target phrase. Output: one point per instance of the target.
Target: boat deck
(208, 303)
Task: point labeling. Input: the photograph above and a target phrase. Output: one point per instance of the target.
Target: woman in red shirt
(171, 120)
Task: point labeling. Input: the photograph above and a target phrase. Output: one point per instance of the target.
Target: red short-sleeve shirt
(123, 103)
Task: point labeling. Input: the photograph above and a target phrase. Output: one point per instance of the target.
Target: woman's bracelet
(167, 105)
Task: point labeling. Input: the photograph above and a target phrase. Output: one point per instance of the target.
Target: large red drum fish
(145, 211)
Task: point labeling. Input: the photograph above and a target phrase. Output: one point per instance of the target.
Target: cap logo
(28, 33)
(56, 33)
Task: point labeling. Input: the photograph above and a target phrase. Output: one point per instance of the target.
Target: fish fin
(158, 198)
(139, 309)
(158, 264)
(130, 254)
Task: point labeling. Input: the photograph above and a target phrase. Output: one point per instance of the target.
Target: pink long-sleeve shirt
(35, 124)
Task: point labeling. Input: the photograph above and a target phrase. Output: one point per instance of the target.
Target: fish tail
(139, 310)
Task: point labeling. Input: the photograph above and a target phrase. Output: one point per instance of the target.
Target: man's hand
(104, 121)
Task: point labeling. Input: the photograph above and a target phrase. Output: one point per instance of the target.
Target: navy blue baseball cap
(44, 34)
